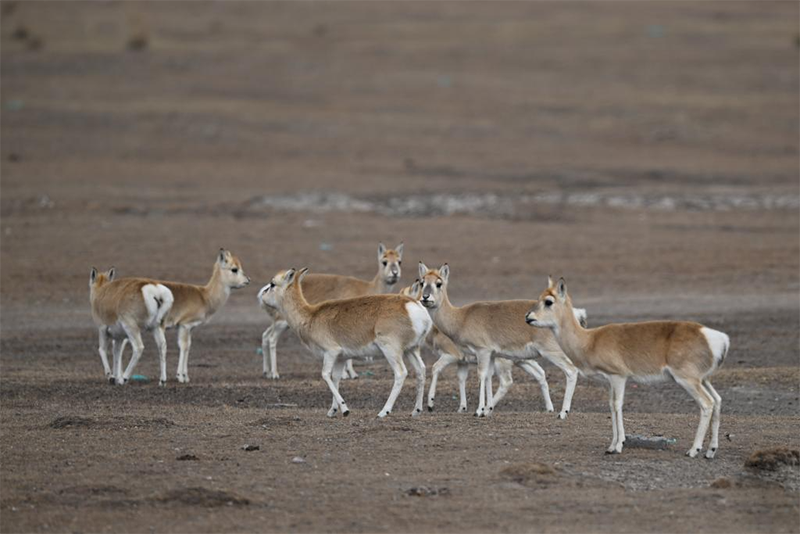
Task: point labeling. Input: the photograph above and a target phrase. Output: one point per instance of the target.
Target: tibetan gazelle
(121, 309)
(494, 328)
(685, 351)
(195, 305)
(449, 353)
(321, 287)
(338, 330)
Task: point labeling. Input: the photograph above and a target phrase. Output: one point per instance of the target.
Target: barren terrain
(648, 152)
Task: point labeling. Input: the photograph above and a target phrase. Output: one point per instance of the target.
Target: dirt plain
(648, 152)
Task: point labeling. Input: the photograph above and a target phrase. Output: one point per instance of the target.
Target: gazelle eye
(384, 263)
(399, 262)
(548, 303)
(235, 270)
(438, 283)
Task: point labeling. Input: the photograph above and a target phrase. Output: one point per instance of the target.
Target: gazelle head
(230, 270)
(389, 261)
(553, 306)
(434, 284)
(97, 279)
(272, 294)
(413, 291)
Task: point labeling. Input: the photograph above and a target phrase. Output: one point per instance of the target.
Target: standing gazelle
(449, 353)
(338, 330)
(194, 305)
(321, 287)
(489, 328)
(120, 309)
(688, 352)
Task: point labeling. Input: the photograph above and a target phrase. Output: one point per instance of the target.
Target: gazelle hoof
(710, 453)
(692, 453)
(416, 412)
(345, 412)
(430, 407)
(162, 383)
(562, 415)
(112, 380)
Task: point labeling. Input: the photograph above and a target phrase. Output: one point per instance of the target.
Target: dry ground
(646, 151)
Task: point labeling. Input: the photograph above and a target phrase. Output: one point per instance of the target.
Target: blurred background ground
(648, 152)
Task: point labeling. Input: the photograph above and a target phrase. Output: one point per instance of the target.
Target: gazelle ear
(302, 274)
(93, 276)
(221, 256)
(549, 282)
(111, 272)
(381, 251)
(423, 270)
(288, 277)
(399, 250)
(444, 272)
(562, 289)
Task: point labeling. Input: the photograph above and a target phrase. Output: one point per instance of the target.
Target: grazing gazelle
(195, 305)
(120, 309)
(685, 351)
(488, 328)
(338, 330)
(321, 287)
(449, 353)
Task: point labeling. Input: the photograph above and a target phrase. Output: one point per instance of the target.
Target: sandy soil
(647, 152)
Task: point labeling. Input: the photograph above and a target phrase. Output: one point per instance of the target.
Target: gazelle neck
(446, 317)
(571, 336)
(216, 291)
(379, 286)
(295, 306)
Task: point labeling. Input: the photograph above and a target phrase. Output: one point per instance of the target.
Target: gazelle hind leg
(350, 371)
(536, 371)
(503, 370)
(338, 369)
(612, 407)
(419, 373)
(394, 356)
(329, 361)
(705, 401)
(161, 343)
(714, 444)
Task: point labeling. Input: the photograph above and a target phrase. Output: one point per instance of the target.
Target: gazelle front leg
(617, 389)
(536, 371)
(462, 372)
(269, 346)
(441, 364)
(135, 337)
(571, 374)
(117, 349)
(484, 366)
(102, 349)
(502, 368)
(184, 344)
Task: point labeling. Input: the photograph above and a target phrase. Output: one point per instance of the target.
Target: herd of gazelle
(341, 318)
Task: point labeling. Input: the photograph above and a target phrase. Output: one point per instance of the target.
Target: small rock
(251, 447)
(298, 460)
(187, 458)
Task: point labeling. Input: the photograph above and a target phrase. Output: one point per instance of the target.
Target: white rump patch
(420, 320)
(718, 343)
(580, 315)
(158, 300)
